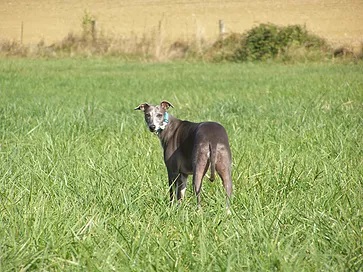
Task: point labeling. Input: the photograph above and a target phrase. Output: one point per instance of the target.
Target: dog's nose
(152, 128)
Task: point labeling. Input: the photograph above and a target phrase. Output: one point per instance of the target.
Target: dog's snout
(152, 127)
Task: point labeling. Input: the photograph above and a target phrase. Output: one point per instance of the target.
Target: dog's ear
(142, 107)
(166, 105)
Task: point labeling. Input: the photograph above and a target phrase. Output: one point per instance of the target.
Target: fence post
(94, 29)
(21, 32)
(221, 28)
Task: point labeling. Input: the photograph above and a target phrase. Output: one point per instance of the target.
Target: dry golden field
(340, 22)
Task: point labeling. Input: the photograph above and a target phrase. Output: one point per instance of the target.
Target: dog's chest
(179, 158)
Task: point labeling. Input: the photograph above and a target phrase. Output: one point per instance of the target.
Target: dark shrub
(224, 49)
(260, 43)
(268, 41)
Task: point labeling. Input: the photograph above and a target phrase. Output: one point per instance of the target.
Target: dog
(190, 148)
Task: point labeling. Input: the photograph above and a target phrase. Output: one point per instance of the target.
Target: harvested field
(340, 22)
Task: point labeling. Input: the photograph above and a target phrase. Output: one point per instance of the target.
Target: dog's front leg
(173, 178)
(181, 186)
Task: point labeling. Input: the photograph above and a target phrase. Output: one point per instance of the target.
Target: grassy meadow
(83, 186)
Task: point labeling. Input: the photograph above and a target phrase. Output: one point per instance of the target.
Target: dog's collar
(165, 123)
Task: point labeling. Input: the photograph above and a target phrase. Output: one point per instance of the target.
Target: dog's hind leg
(224, 171)
(227, 184)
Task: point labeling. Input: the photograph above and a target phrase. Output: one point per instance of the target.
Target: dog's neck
(165, 123)
(167, 132)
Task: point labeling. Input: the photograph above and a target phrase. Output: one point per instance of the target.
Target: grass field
(83, 186)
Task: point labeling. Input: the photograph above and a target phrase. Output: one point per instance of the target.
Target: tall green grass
(83, 185)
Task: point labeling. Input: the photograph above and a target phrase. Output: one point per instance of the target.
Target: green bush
(88, 26)
(260, 43)
(224, 49)
(268, 41)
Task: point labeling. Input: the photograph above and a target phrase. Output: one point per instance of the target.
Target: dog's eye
(147, 115)
(159, 115)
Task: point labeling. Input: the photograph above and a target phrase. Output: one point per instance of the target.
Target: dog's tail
(212, 159)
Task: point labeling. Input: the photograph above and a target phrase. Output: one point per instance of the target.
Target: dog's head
(156, 117)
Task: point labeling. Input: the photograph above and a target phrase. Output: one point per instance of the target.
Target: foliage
(260, 43)
(268, 41)
(88, 26)
(224, 49)
(264, 42)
